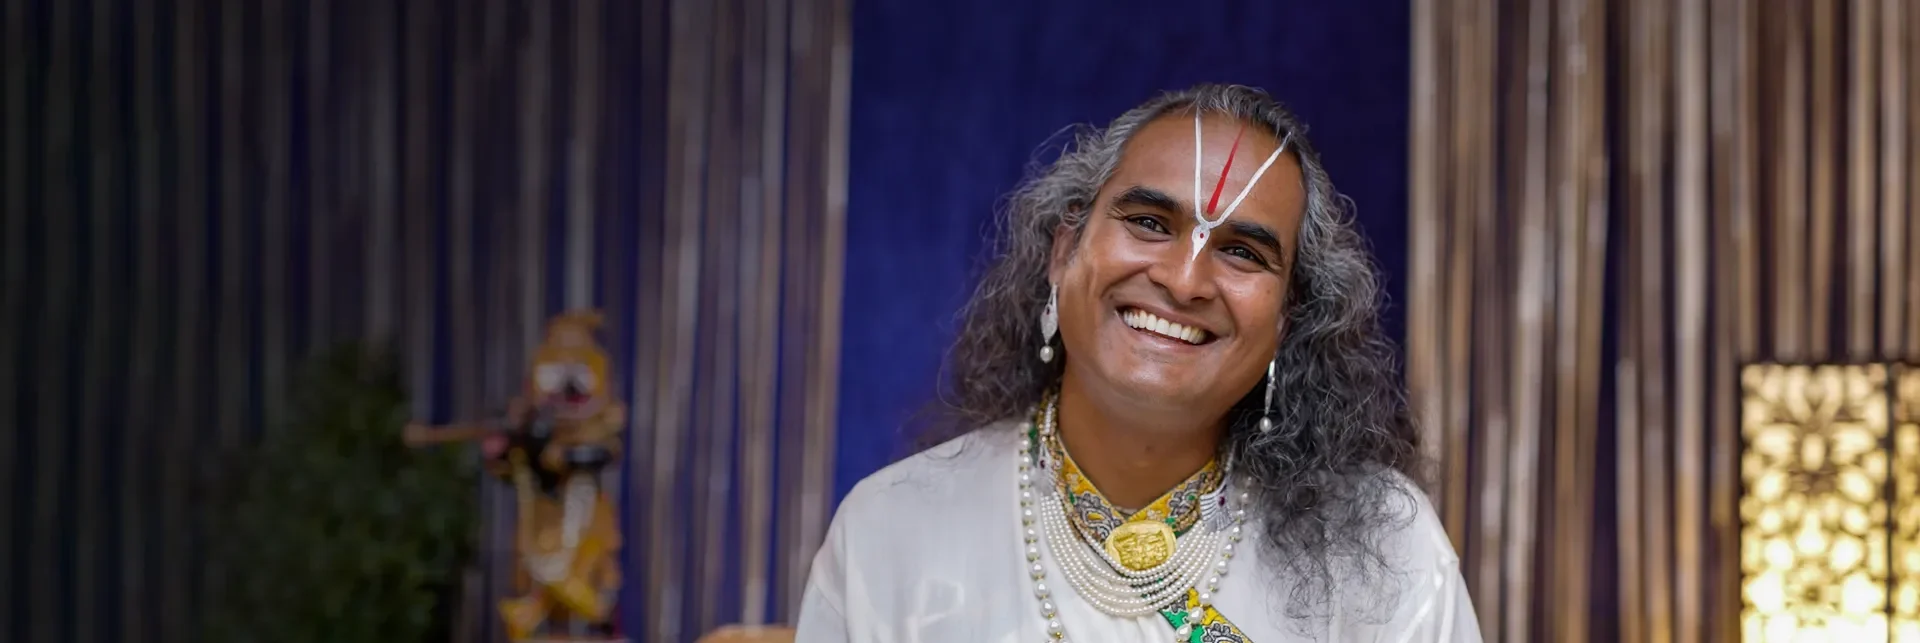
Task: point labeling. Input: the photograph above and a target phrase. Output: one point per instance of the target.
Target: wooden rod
(1692, 248)
(1648, 172)
(1790, 336)
(1458, 312)
(1824, 197)
(189, 224)
(1636, 618)
(1895, 213)
(1863, 191)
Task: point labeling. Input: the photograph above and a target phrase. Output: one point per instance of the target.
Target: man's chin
(1154, 387)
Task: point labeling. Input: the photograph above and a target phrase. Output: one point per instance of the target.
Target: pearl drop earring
(1049, 322)
(1266, 411)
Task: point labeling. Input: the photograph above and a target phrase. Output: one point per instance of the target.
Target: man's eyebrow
(1150, 197)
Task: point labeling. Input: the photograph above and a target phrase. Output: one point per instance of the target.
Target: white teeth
(1143, 320)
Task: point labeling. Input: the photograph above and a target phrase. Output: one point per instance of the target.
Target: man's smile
(1152, 324)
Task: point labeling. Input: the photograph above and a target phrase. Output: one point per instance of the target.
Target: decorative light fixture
(1830, 506)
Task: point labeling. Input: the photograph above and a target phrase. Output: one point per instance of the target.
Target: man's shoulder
(955, 473)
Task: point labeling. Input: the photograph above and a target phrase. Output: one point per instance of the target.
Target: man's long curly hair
(1322, 480)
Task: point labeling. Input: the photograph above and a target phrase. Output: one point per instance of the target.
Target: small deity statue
(552, 445)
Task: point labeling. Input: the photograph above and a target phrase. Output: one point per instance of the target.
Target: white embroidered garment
(929, 550)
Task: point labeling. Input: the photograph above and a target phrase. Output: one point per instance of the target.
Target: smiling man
(1171, 416)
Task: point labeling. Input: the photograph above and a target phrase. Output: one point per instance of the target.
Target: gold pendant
(1141, 545)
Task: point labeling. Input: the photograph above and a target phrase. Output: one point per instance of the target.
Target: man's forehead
(1161, 155)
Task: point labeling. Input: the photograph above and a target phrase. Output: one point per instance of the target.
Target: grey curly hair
(1322, 478)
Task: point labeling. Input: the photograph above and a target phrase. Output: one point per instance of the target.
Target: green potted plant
(329, 529)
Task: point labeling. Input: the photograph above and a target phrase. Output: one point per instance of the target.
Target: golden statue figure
(555, 440)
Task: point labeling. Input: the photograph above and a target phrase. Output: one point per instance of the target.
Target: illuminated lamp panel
(1906, 508)
(1814, 515)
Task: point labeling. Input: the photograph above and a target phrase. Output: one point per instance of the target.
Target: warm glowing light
(1906, 506)
(1830, 528)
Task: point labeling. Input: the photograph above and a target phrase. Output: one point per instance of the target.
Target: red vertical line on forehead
(1217, 185)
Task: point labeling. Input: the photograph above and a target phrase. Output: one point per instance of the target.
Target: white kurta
(929, 550)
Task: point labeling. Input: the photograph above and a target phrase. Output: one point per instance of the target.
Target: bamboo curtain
(1616, 204)
(199, 193)
(1509, 239)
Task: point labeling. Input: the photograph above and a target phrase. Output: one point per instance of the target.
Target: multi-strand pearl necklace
(1109, 586)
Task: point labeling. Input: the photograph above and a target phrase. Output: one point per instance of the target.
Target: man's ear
(1064, 240)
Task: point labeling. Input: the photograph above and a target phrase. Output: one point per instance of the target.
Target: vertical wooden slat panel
(1862, 170)
(464, 357)
(213, 197)
(762, 309)
(89, 321)
(1745, 230)
(751, 219)
(190, 272)
(462, 315)
(1789, 209)
(1560, 378)
(714, 403)
(656, 241)
(797, 288)
(1457, 317)
(418, 252)
(687, 126)
(1576, 303)
(1912, 211)
(1596, 177)
(1424, 212)
(1691, 251)
(1476, 51)
(379, 171)
(1678, 463)
(232, 341)
(139, 480)
(1586, 235)
(815, 503)
(535, 67)
(505, 340)
(1730, 102)
(275, 101)
(653, 281)
(1823, 163)
(531, 221)
(14, 275)
(1531, 319)
(1649, 139)
(103, 147)
(1895, 213)
(1748, 217)
(1636, 619)
(583, 151)
(1635, 611)
(814, 47)
(320, 185)
(49, 532)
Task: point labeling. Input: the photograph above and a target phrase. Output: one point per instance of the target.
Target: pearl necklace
(1108, 586)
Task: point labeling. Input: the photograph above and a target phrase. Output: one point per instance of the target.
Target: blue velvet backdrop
(952, 100)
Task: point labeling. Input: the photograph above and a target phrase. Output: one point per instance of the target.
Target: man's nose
(1186, 278)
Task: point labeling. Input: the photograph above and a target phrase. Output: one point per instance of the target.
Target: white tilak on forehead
(1203, 206)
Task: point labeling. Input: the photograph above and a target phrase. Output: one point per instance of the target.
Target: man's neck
(1133, 458)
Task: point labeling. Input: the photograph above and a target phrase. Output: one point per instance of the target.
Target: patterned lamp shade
(1830, 505)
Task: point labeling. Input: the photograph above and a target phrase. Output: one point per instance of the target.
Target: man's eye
(1147, 222)
(1244, 253)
